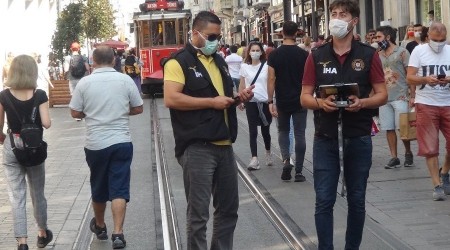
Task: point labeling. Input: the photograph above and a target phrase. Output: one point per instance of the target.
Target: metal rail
(168, 220)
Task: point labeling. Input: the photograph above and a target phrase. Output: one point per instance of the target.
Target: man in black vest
(198, 89)
(342, 61)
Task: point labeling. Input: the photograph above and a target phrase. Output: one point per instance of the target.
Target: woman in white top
(257, 109)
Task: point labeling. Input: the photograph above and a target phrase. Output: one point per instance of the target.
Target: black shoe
(118, 241)
(409, 160)
(22, 247)
(299, 177)
(286, 174)
(393, 163)
(43, 241)
(99, 231)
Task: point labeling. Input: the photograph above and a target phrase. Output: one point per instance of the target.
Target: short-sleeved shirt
(105, 97)
(249, 71)
(234, 62)
(394, 67)
(173, 72)
(24, 108)
(288, 62)
(429, 63)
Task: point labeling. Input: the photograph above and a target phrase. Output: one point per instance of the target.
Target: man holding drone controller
(342, 61)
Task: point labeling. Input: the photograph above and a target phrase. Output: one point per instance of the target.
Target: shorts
(390, 114)
(110, 172)
(430, 120)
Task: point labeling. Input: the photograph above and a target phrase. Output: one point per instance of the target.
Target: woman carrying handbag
(254, 72)
(19, 99)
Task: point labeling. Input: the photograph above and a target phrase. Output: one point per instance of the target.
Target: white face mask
(417, 34)
(437, 47)
(338, 28)
(255, 55)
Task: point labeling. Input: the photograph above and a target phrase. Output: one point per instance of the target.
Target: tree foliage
(69, 28)
(99, 20)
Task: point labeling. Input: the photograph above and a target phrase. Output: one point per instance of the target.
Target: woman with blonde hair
(22, 95)
(409, 36)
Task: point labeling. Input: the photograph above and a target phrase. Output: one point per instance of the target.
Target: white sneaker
(269, 160)
(254, 164)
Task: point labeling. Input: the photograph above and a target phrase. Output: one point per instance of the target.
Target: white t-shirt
(249, 71)
(105, 97)
(430, 63)
(234, 62)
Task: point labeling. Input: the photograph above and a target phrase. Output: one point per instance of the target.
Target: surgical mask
(417, 34)
(437, 47)
(383, 44)
(375, 45)
(338, 28)
(255, 55)
(210, 46)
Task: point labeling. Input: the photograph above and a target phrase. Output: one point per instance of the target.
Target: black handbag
(34, 149)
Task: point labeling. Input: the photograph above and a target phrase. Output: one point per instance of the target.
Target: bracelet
(317, 102)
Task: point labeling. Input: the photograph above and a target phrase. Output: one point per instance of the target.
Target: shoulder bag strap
(35, 107)
(257, 74)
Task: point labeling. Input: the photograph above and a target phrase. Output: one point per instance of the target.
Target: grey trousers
(210, 169)
(17, 191)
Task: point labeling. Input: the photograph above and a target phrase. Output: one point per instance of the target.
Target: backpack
(77, 68)
(28, 146)
(131, 67)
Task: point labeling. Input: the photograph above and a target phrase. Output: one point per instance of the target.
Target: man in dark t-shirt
(286, 65)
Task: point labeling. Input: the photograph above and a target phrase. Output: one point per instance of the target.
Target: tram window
(169, 32)
(157, 33)
(145, 34)
(181, 31)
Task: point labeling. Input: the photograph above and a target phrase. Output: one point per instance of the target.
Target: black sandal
(43, 241)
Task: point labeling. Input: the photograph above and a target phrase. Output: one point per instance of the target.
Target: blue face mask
(210, 46)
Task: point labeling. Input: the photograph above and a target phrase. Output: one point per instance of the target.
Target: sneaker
(22, 247)
(101, 232)
(299, 177)
(393, 163)
(269, 161)
(286, 174)
(438, 193)
(408, 160)
(118, 241)
(254, 164)
(43, 241)
(445, 182)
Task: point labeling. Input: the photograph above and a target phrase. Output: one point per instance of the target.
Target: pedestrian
(286, 65)
(133, 68)
(22, 84)
(241, 49)
(270, 48)
(43, 81)
(417, 33)
(395, 61)
(409, 36)
(306, 45)
(369, 36)
(73, 66)
(428, 73)
(234, 62)
(5, 68)
(198, 90)
(108, 149)
(342, 61)
(254, 72)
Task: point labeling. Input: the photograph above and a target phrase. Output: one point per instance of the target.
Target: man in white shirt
(428, 71)
(234, 62)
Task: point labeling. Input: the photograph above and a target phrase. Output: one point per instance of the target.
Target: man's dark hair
(424, 34)
(349, 6)
(203, 18)
(103, 55)
(243, 43)
(233, 48)
(417, 25)
(371, 31)
(388, 31)
(290, 28)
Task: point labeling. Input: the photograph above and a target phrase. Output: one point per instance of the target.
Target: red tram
(161, 28)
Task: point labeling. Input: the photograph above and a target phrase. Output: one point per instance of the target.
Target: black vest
(356, 69)
(204, 125)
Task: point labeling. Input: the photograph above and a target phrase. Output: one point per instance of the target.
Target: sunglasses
(211, 37)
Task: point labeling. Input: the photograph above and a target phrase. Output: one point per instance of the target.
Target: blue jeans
(357, 163)
(299, 121)
(210, 169)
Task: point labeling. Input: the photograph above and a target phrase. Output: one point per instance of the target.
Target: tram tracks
(294, 237)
